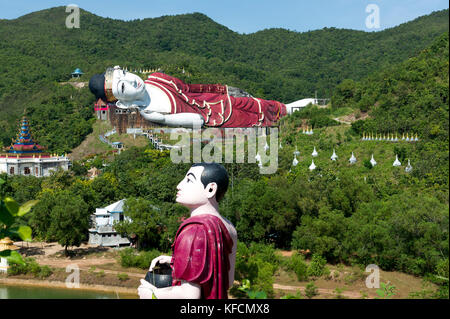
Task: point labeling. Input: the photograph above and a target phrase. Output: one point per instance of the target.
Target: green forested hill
(412, 96)
(37, 49)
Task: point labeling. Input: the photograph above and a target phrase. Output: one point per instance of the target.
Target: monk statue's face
(191, 192)
(127, 86)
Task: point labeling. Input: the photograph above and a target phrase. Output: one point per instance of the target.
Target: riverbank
(129, 292)
(100, 270)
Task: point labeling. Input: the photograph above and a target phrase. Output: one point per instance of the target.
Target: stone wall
(122, 119)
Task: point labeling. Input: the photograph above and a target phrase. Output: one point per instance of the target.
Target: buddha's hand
(153, 116)
(146, 290)
(160, 259)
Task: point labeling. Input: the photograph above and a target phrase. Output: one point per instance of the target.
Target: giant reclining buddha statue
(168, 101)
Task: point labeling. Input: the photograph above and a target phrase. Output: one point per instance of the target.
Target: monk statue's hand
(160, 259)
(146, 290)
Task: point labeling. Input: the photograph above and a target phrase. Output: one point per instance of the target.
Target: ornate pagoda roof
(24, 143)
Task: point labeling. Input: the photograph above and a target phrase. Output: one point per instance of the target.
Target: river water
(19, 292)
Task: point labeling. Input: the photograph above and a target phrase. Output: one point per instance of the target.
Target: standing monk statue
(204, 250)
(168, 101)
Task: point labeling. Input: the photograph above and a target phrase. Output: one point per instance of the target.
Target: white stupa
(295, 161)
(296, 152)
(312, 166)
(372, 161)
(396, 162)
(314, 153)
(334, 156)
(352, 159)
(266, 147)
(408, 167)
(258, 157)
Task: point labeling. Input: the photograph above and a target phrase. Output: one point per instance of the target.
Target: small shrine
(6, 244)
(314, 153)
(77, 73)
(26, 157)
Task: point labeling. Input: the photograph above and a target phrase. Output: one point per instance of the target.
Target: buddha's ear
(211, 190)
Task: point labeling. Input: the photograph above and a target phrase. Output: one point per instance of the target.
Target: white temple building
(103, 232)
(314, 153)
(26, 157)
(298, 105)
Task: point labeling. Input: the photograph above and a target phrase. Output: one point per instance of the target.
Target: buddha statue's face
(127, 86)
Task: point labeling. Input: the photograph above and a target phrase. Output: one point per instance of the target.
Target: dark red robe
(201, 255)
(216, 106)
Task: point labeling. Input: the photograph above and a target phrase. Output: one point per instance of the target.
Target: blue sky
(247, 16)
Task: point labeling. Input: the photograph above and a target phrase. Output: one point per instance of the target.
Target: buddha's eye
(123, 87)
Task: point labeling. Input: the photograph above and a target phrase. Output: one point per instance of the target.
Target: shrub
(298, 295)
(297, 264)
(129, 257)
(45, 272)
(257, 263)
(30, 266)
(311, 290)
(317, 266)
(122, 277)
(264, 280)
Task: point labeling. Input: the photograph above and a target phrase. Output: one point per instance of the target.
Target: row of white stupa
(308, 131)
(352, 160)
(334, 157)
(389, 137)
(148, 71)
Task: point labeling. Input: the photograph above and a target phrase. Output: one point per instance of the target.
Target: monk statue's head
(203, 182)
(118, 85)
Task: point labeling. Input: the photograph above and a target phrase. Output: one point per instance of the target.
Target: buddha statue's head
(118, 85)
